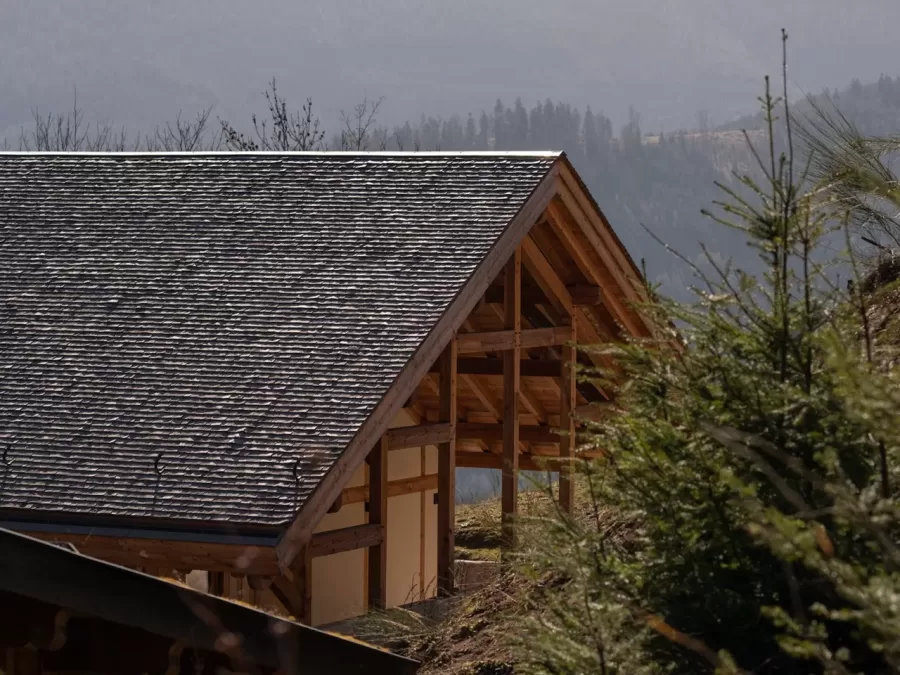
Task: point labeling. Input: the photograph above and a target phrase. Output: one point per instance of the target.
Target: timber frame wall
(501, 395)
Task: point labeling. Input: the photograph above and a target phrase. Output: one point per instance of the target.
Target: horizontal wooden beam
(346, 539)
(168, 553)
(395, 488)
(505, 340)
(494, 432)
(491, 366)
(417, 436)
(527, 462)
(584, 294)
(215, 557)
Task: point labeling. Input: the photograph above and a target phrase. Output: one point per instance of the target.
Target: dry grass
(473, 635)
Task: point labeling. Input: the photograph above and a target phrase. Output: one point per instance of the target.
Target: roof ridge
(542, 154)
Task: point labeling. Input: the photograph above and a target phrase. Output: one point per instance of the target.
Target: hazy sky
(139, 63)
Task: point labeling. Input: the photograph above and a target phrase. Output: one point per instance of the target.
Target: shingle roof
(199, 336)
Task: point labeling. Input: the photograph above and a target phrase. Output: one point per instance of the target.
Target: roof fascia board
(632, 277)
(300, 530)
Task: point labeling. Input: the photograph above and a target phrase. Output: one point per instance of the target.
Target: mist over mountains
(139, 63)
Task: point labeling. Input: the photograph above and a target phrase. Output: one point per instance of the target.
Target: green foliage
(756, 458)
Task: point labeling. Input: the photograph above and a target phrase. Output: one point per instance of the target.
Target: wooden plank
(417, 436)
(301, 528)
(215, 583)
(509, 480)
(492, 366)
(346, 539)
(136, 552)
(567, 401)
(527, 462)
(492, 433)
(600, 275)
(507, 340)
(586, 296)
(378, 509)
(423, 520)
(484, 396)
(530, 296)
(396, 488)
(447, 474)
(546, 277)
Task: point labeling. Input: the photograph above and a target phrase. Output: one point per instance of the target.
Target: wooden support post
(215, 583)
(447, 473)
(378, 507)
(512, 306)
(567, 403)
(294, 590)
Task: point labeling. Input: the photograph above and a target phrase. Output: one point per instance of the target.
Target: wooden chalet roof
(201, 337)
(83, 615)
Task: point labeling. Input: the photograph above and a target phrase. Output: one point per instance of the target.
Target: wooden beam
(567, 402)
(347, 539)
(417, 436)
(395, 488)
(492, 433)
(509, 480)
(484, 396)
(546, 277)
(293, 589)
(301, 528)
(530, 296)
(594, 270)
(378, 509)
(586, 296)
(527, 462)
(492, 366)
(509, 340)
(215, 583)
(447, 473)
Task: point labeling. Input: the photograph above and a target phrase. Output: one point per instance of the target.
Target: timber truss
(492, 387)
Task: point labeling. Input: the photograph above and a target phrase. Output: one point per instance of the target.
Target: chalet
(267, 367)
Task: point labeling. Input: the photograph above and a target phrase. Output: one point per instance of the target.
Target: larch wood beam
(492, 433)
(596, 272)
(378, 510)
(493, 366)
(447, 473)
(400, 438)
(293, 589)
(484, 395)
(238, 559)
(506, 340)
(600, 233)
(395, 488)
(567, 403)
(509, 480)
(543, 461)
(526, 397)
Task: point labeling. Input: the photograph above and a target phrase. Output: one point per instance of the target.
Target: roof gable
(200, 336)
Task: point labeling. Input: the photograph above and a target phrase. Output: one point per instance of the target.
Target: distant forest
(647, 182)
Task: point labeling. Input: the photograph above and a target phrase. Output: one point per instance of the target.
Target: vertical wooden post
(447, 473)
(423, 522)
(512, 311)
(301, 570)
(378, 507)
(567, 402)
(215, 583)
